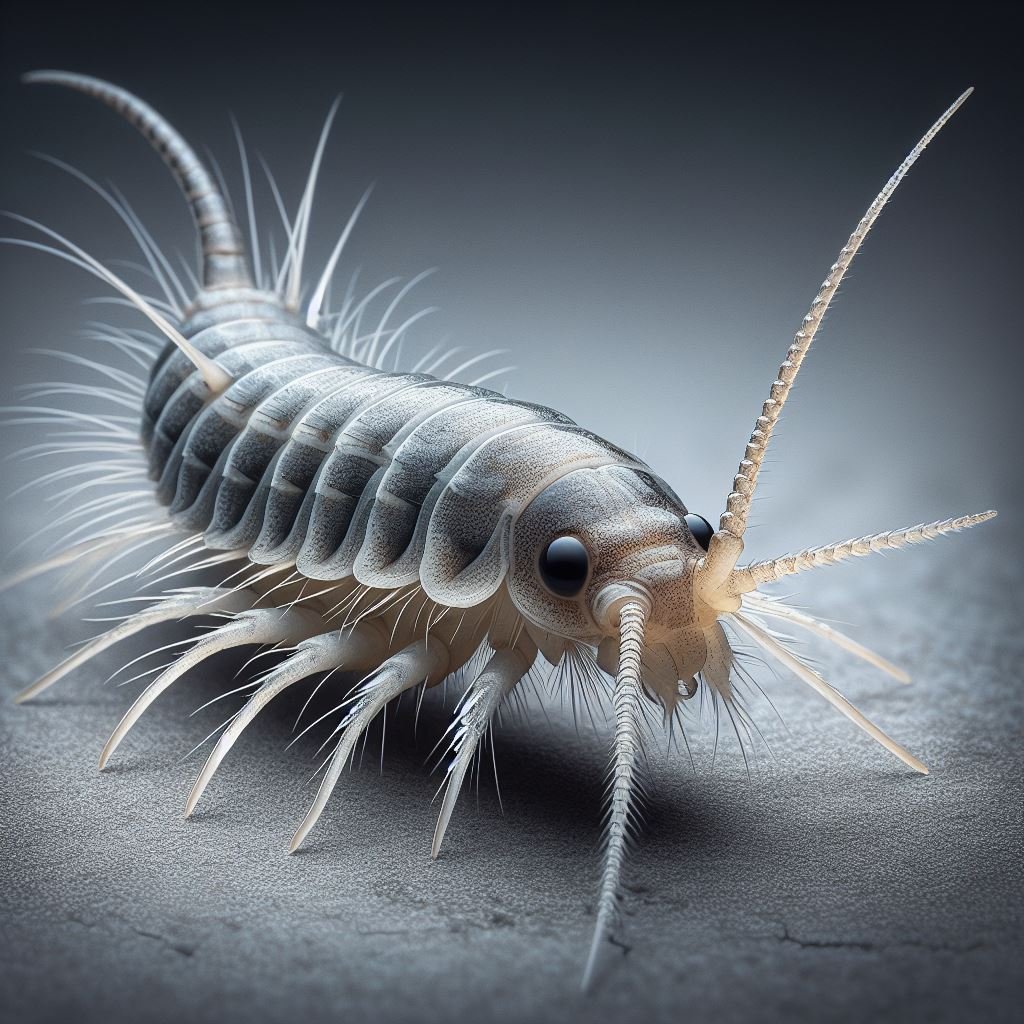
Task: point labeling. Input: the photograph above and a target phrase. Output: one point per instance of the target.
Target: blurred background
(638, 207)
(638, 204)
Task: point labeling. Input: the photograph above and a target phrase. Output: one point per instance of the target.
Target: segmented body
(394, 525)
(346, 470)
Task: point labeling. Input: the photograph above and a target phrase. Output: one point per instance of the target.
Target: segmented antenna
(727, 544)
(627, 705)
(223, 258)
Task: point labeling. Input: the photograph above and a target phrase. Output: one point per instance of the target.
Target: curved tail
(223, 257)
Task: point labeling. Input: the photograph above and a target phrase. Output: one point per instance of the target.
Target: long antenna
(627, 704)
(727, 544)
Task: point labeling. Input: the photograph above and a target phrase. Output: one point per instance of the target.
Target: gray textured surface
(835, 885)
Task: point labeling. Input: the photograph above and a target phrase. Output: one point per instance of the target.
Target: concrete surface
(833, 885)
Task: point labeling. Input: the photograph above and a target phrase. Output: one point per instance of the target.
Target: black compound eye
(564, 566)
(700, 528)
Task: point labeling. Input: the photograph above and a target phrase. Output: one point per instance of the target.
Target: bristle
(772, 646)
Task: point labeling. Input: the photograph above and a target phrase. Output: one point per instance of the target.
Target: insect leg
(772, 646)
(481, 701)
(419, 661)
(353, 649)
(765, 606)
(193, 602)
(262, 626)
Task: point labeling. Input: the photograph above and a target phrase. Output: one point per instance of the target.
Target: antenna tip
(962, 98)
(41, 75)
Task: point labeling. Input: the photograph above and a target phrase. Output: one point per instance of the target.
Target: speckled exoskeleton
(402, 526)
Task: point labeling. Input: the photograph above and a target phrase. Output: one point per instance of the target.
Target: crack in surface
(185, 949)
(181, 948)
(878, 947)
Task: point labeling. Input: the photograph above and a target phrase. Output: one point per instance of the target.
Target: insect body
(397, 524)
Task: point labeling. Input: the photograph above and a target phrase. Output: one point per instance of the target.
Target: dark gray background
(639, 206)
